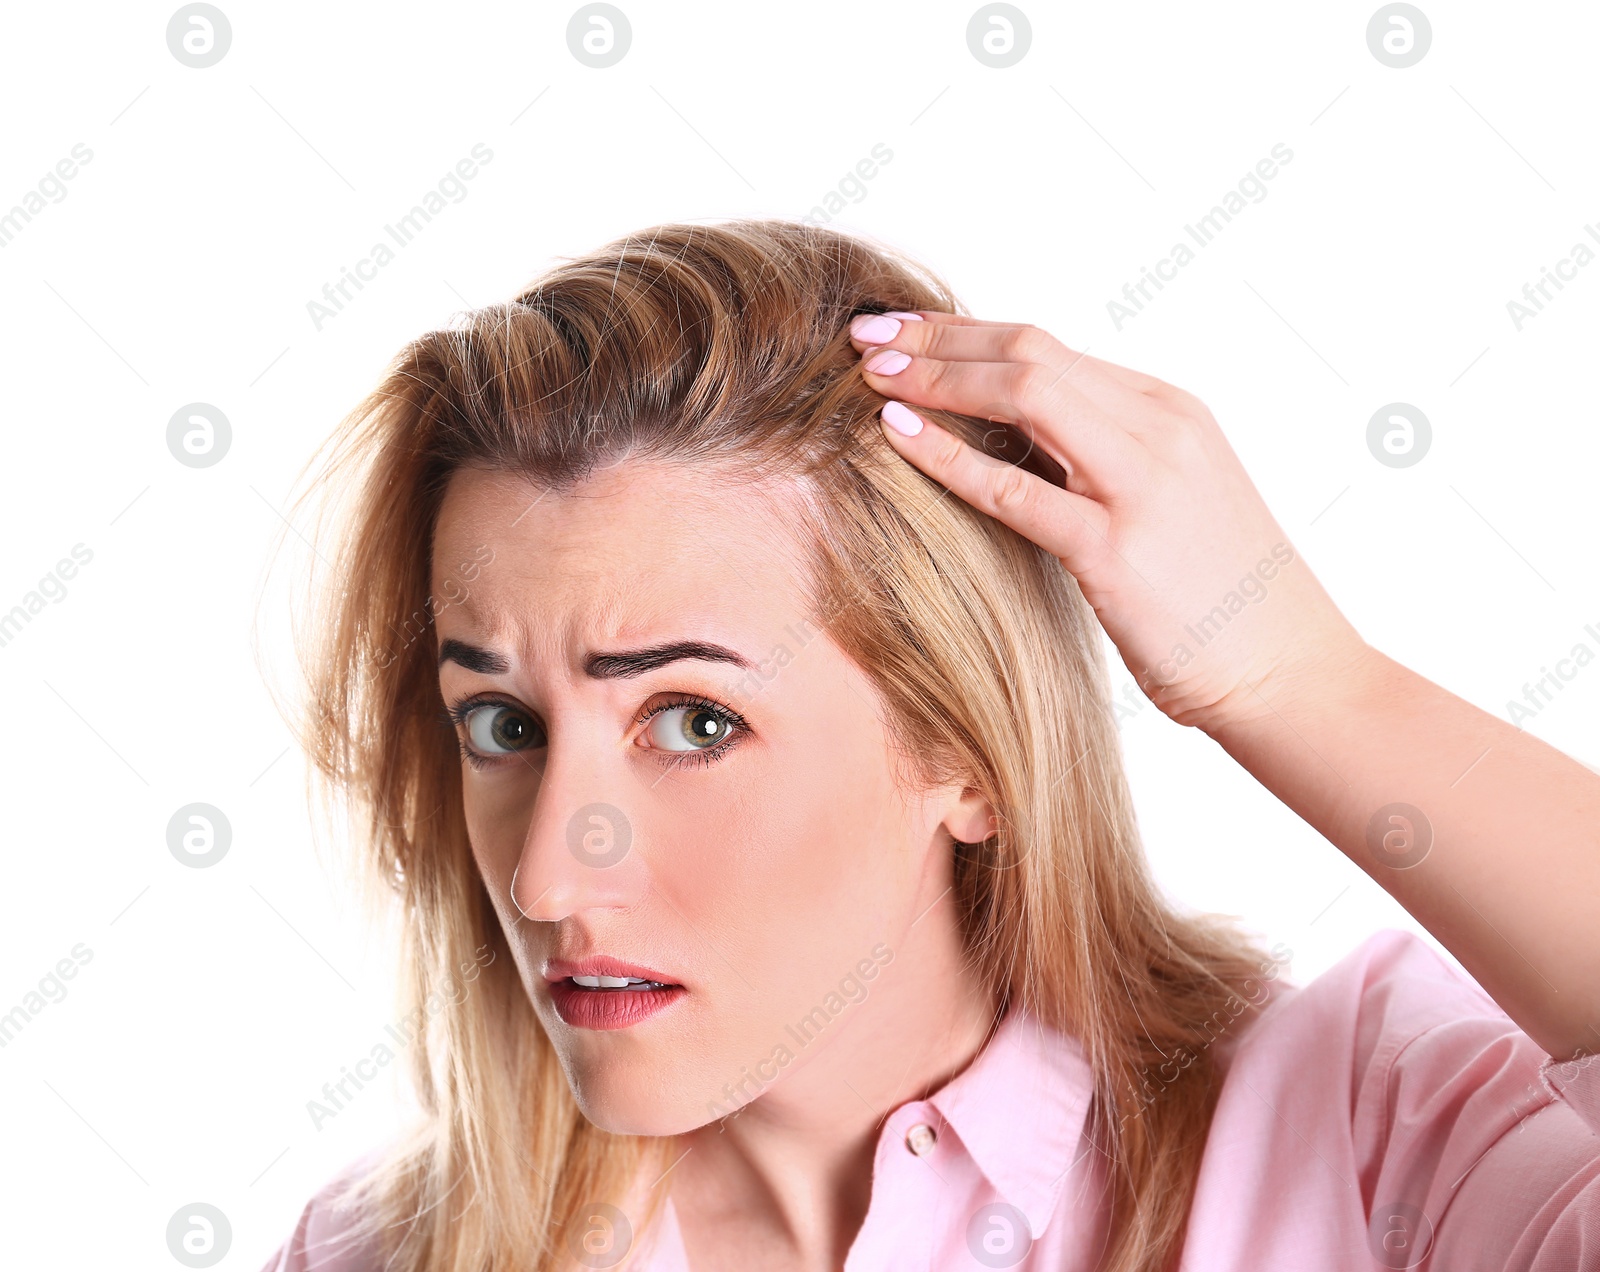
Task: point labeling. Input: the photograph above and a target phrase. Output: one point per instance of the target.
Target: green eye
(694, 730)
(496, 729)
(689, 727)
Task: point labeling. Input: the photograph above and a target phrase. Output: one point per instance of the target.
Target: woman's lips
(613, 997)
(610, 1008)
(602, 965)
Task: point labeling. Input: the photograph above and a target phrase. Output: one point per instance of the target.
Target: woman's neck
(785, 1182)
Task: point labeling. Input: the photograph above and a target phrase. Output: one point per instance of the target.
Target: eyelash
(711, 754)
(458, 713)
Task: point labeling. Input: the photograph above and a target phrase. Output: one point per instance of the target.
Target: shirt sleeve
(1477, 1150)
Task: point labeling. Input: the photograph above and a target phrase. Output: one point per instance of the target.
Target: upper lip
(602, 965)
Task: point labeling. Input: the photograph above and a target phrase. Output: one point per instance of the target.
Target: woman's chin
(632, 1115)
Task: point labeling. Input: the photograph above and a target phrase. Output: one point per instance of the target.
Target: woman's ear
(971, 819)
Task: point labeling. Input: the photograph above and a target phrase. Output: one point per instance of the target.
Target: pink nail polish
(904, 317)
(874, 328)
(901, 418)
(887, 362)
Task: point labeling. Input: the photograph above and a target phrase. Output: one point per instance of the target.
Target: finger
(1071, 526)
(994, 343)
(998, 342)
(1093, 434)
(1118, 391)
(956, 337)
(878, 329)
(944, 316)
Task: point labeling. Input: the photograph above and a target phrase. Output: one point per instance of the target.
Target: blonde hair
(728, 344)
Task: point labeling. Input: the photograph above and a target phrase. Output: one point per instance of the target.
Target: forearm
(1511, 882)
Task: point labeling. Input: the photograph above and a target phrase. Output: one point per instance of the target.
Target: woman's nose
(576, 856)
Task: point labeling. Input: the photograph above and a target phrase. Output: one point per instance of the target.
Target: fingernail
(901, 418)
(887, 362)
(895, 313)
(874, 328)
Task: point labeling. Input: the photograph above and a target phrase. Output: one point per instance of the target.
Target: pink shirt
(1387, 1115)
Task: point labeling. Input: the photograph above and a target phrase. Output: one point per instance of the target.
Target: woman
(744, 771)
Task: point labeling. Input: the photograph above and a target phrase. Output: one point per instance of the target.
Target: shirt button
(920, 1139)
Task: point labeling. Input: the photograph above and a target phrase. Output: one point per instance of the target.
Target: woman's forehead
(636, 526)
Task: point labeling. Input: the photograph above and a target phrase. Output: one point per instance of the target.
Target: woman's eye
(495, 729)
(688, 728)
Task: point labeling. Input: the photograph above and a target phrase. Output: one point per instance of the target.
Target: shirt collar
(1020, 1109)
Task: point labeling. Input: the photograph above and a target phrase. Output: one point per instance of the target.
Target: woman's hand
(1212, 609)
(1484, 833)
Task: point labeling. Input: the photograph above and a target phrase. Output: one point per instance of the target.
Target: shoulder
(1390, 1103)
(326, 1237)
(1400, 1059)
(1372, 1042)
(1384, 994)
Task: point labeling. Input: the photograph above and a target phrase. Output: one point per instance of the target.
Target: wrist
(1304, 694)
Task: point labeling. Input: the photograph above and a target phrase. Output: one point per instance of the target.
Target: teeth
(609, 982)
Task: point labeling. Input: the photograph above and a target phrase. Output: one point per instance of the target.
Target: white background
(219, 201)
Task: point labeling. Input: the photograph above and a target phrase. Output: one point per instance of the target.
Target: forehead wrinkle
(608, 602)
(610, 623)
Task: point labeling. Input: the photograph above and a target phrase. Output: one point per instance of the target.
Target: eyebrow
(617, 666)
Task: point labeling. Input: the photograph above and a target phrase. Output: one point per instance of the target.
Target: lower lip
(610, 1008)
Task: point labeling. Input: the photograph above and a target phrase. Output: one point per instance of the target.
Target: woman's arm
(1488, 836)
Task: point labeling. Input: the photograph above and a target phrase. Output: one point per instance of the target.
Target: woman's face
(681, 782)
